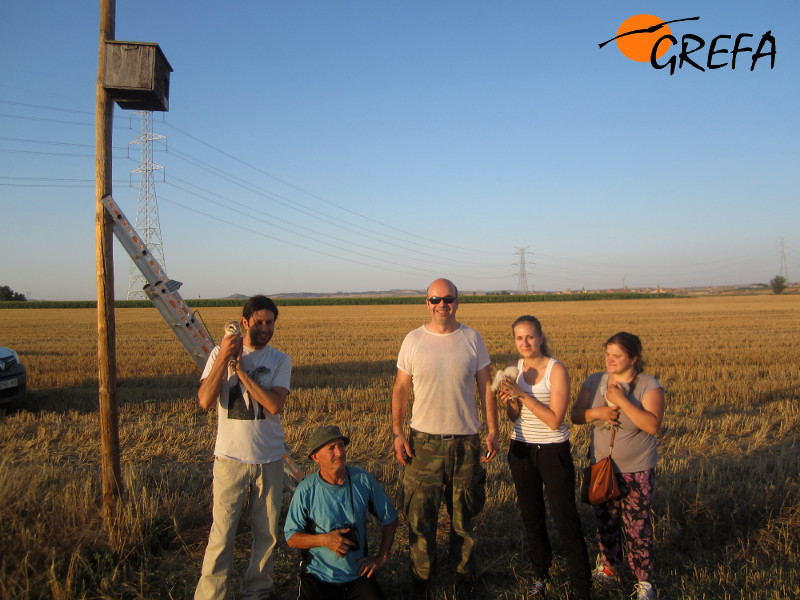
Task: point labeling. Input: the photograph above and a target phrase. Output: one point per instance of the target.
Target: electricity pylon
(783, 271)
(147, 223)
(522, 288)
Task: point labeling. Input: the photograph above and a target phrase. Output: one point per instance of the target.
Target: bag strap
(611, 445)
(601, 384)
(604, 384)
(604, 381)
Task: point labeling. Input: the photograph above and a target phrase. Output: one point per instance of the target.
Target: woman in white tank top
(540, 458)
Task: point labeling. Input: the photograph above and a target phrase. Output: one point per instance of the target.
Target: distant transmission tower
(783, 271)
(522, 288)
(147, 223)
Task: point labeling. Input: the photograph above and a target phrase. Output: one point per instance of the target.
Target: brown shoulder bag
(599, 481)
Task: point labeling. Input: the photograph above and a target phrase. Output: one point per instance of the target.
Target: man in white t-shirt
(248, 455)
(443, 361)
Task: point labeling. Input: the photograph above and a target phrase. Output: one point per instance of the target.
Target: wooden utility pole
(106, 327)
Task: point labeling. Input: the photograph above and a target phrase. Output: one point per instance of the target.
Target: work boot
(420, 588)
(465, 586)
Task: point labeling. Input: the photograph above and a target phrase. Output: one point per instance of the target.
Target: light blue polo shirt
(330, 507)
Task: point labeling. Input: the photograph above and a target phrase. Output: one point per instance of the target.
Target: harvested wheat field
(727, 505)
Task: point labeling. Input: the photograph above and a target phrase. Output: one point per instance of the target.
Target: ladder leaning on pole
(163, 293)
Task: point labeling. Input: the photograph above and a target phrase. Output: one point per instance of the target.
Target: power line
(293, 204)
(54, 143)
(306, 232)
(391, 228)
(338, 216)
(295, 244)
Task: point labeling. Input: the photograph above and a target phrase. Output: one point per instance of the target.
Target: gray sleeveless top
(634, 450)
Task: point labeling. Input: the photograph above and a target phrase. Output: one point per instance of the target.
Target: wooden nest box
(137, 75)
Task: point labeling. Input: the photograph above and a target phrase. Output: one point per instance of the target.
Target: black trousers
(547, 469)
(362, 588)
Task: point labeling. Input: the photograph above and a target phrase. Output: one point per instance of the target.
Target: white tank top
(528, 427)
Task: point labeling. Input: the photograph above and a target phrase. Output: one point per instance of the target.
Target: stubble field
(727, 507)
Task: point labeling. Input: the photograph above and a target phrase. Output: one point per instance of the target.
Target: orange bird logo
(638, 34)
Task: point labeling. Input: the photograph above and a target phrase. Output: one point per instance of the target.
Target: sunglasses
(437, 299)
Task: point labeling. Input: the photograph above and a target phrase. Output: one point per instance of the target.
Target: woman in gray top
(626, 399)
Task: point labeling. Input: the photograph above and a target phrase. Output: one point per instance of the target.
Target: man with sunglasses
(443, 361)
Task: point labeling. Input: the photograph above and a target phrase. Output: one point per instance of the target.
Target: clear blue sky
(323, 146)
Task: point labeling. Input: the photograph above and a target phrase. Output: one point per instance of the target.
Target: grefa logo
(644, 38)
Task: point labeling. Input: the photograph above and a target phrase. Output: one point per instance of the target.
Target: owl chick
(511, 372)
(232, 328)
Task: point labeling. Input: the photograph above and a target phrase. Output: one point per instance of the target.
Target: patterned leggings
(630, 513)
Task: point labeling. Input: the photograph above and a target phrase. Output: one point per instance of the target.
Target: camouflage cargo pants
(449, 464)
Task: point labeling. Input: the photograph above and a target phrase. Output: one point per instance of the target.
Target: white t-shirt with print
(246, 432)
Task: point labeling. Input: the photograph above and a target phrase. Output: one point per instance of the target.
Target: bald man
(443, 361)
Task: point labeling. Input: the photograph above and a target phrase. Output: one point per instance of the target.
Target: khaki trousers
(235, 482)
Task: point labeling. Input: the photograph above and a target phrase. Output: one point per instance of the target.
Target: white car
(13, 377)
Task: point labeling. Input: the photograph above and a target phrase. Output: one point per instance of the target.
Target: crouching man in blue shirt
(327, 517)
